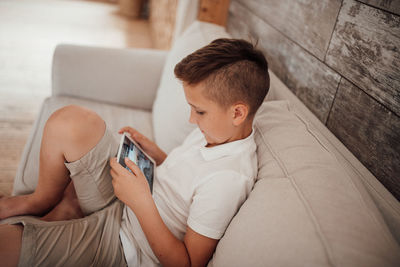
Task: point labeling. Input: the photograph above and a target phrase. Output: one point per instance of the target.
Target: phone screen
(130, 150)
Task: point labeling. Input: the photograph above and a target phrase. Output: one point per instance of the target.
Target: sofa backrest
(306, 209)
(388, 205)
(170, 110)
(186, 14)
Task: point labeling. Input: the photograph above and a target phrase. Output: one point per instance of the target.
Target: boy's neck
(242, 133)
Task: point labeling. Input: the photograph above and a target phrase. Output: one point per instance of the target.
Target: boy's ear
(239, 113)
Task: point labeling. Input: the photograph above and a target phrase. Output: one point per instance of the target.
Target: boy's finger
(113, 161)
(115, 165)
(126, 129)
(119, 169)
(138, 136)
(131, 165)
(121, 131)
(113, 173)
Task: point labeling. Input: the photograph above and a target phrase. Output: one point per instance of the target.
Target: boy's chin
(210, 142)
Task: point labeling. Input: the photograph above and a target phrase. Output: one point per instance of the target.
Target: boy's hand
(146, 144)
(131, 188)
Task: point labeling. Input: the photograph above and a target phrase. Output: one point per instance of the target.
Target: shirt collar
(227, 149)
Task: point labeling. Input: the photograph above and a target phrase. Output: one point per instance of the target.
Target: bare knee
(74, 114)
(74, 120)
(77, 127)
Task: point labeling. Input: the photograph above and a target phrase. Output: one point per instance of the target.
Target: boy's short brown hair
(233, 70)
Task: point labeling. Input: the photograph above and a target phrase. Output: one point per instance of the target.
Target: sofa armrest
(128, 77)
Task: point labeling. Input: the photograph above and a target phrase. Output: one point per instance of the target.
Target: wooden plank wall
(162, 22)
(213, 11)
(342, 59)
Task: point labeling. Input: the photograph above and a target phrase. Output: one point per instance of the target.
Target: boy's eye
(200, 112)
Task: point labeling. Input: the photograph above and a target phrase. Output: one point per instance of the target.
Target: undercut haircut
(233, 70)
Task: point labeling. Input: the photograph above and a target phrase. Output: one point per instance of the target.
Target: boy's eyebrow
(193, 105)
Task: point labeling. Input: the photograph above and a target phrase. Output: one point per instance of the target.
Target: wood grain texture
(311, 80)
(365, 49)
(370, 131)
(214, 11)
(310, 23)
(162, 22)
(388, 5)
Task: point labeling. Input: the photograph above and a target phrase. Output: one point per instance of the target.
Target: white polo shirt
(196, 186)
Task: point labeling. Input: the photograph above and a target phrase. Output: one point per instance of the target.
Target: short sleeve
(216, 201)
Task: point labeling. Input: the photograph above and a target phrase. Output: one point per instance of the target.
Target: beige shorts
(90, 241)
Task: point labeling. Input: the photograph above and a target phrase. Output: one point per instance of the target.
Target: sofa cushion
(304, 209)
(115, 117)
(186, 14)
(170, 110)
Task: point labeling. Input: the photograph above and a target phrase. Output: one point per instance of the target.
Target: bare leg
(67, 209)
(69, 134)
(10, 244)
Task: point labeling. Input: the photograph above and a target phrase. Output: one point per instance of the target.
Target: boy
(198, 189)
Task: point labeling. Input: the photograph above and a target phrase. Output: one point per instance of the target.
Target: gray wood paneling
(311, 80)
(370, 131)
(388, 5)
(310, 22)
(365, 49)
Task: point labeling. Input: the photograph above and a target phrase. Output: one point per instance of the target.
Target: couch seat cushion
(115, 117)
(305, 209)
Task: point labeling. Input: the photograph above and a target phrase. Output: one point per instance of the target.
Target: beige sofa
(314, 203)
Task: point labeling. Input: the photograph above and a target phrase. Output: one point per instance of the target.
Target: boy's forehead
(193, 90)
(199, 85)
(195, 96)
